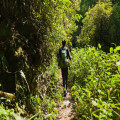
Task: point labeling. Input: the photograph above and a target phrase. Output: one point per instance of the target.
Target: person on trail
(63, 63)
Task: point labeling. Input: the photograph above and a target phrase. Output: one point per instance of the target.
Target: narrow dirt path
(65, 108)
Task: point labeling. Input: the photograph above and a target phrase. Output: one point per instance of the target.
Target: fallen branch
(7, 95)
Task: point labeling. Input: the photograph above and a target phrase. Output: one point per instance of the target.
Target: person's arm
(59, 53)
(68, 54)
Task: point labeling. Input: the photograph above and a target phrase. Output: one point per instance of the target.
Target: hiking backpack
(64, 62)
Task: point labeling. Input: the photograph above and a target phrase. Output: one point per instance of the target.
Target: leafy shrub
(10, 114)
(96, 83)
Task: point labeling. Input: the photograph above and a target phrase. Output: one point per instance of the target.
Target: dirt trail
(65, 108)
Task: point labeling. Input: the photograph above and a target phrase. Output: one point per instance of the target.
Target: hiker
(63, 63)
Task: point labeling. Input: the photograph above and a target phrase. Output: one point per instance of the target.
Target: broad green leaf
(119, 68)
(99, 46)
(111, 50)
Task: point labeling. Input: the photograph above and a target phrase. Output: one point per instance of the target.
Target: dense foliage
(96, 25)
(100, 25)
(42, 105)
(95, 75)
(31, 32)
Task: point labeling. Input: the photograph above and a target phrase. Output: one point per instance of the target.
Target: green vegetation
(96, 83)
(96, 25)
(30, 36)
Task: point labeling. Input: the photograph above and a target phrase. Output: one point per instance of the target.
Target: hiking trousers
(65, 78)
